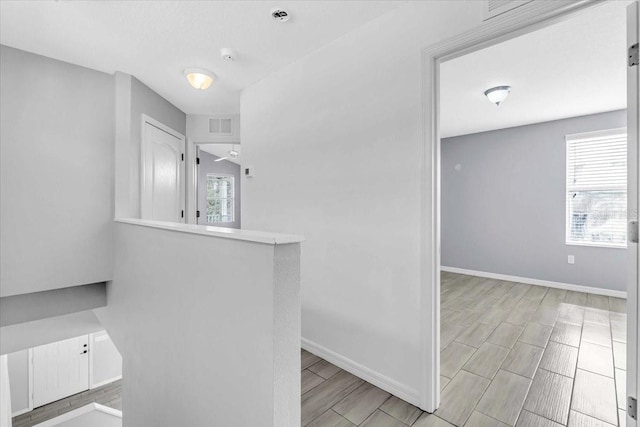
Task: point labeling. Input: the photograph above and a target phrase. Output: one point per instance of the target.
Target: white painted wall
(18, 365)
(202, 336)
(335, 139)
(105, 361)
(39, 332)
(56, 154)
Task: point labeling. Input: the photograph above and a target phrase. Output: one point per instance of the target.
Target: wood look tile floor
(513, 355)
(108, 395)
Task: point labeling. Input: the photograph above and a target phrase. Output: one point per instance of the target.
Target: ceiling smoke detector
(280, 15)
(228, 55)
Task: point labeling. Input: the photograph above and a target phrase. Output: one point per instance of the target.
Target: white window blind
(220, 197)
(597, 188)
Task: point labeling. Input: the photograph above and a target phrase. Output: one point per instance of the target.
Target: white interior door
(162, 173)
(633, 123)
(60, 369)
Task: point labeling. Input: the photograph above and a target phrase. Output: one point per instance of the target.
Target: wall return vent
(220, 126)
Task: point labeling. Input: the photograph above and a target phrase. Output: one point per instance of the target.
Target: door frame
(524, 19)
(143, 144)
(192, 175)
(29, 407)
(633, 196)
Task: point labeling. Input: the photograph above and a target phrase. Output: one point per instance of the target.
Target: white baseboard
(105, 382)
(383, 382)
(537, 282)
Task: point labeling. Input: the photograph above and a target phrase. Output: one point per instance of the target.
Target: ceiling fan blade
(220, 159)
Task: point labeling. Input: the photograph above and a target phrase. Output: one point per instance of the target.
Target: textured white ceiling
(572, 68)
(156, 40)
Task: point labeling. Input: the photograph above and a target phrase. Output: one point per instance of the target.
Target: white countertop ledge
(224, 233)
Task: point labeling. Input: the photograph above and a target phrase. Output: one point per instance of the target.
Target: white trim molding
(105, 382)
(68, 416)
(144, 142)
(379, 380)
(29, 407)
(538, 282)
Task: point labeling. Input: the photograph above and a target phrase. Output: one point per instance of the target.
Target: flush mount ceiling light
(199, 78)
(497, 94)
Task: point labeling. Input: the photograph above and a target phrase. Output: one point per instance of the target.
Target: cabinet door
(60, 369)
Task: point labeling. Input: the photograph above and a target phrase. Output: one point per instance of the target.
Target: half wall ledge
(226, 233)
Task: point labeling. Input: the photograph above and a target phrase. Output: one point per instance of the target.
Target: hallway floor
(511, 355)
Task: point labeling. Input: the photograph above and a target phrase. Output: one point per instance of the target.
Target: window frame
(233, 197)
(585, 136)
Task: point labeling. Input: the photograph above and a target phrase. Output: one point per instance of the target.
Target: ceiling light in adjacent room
(497, 94)
(199, 78)
(231, 153)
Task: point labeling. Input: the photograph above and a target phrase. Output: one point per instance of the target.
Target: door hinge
(197, 214)
(632, 407)
(182, 157)
(632, 234)
(633, 55)
(181, 214)
(197, 160)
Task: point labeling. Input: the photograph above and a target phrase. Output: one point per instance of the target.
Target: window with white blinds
(220, 198)
(597, 188)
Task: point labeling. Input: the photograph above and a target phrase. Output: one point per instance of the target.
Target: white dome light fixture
(199, 78)
(497, 94)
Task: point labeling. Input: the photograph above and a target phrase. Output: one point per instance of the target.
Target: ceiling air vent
(220, 126)
(493, 8)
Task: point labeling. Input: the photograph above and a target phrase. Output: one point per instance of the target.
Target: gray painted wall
(56, 302)
(56, 155)
(145, 101)
(224, 167)
(504, 210)
(133, 99)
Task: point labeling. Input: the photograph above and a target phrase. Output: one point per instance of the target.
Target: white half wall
(208, 326)
(335, 140)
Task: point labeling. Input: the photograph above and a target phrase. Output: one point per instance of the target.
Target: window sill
(596, 245)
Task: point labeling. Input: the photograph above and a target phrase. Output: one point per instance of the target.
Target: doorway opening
(65, 379)
(520, 348)
(218, 185)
